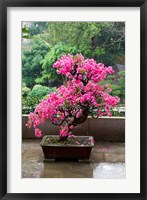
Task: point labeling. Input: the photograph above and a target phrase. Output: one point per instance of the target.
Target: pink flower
(79, 113)
(76, 142)
(80, 77)
(38, 133)
(110, 70)
(71, 127)
(92, 141)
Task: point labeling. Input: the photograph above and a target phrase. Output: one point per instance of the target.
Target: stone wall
(111, 129)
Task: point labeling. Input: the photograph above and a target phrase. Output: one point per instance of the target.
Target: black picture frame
(4, 4)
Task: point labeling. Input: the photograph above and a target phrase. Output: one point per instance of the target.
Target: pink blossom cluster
(82, 95)
(88, 68)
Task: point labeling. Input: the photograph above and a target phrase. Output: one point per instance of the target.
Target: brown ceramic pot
(66, 152)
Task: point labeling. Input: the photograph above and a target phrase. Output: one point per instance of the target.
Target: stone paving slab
(34, 167)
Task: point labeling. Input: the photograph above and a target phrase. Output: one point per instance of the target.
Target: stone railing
(103, 129)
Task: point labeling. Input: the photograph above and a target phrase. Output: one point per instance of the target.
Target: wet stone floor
(107, 161)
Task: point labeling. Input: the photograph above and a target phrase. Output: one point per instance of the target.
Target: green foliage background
(45, 42)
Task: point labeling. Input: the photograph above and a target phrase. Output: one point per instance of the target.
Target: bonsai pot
(74, 148)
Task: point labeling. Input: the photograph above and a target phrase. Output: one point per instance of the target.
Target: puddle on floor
(109, 171)
(35, 169)
(104, 164)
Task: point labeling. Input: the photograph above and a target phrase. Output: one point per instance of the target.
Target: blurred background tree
(44, 42)
(32, 55)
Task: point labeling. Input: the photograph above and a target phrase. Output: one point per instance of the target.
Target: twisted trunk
(82, 118)
(76, 121)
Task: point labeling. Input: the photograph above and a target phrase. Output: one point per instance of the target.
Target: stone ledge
(108, 129)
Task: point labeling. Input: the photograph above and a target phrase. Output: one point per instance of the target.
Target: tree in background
(40, 91)
(38, 28)
(33, 28)
(31, 61)
(48, 41)
(105, 41)
(76, 34)
(30, 98)
(112, 39)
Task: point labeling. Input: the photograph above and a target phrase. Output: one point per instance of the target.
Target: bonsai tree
(82, 95)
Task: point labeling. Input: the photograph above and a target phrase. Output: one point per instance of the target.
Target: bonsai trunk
(76, 121)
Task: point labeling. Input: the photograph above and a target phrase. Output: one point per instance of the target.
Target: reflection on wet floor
(106, 161)
(109, 171)
(67, 170)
